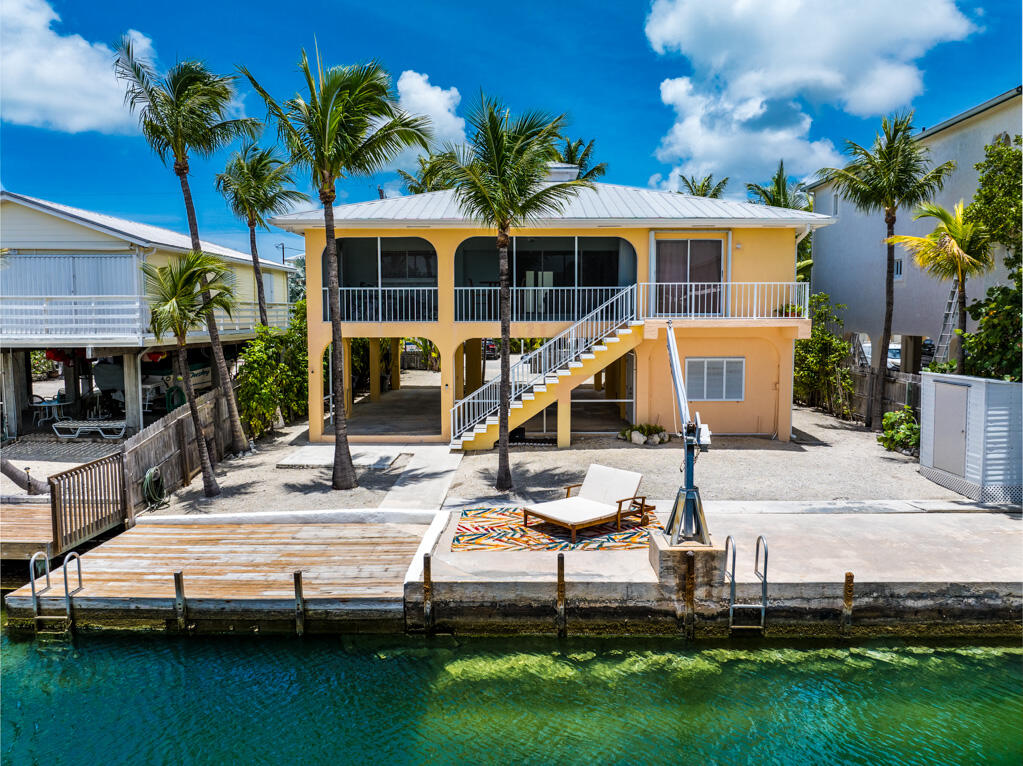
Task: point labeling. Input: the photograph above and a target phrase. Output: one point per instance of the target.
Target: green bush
(820, 378)
(946, 367)
(647, 429)
(900, 431)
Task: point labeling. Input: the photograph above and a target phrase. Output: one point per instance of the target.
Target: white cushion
(574, 510)
(609, 485)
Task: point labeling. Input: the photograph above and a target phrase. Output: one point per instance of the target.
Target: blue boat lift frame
(686, 523)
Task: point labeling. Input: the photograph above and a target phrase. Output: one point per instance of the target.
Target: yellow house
(601, 283)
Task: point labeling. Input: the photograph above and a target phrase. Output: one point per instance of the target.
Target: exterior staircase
(601, 337)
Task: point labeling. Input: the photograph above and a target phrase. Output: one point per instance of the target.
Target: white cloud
(756, 64)
(59, 81)
(418, 97)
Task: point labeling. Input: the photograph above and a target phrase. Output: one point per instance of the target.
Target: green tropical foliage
(703, 187)
(274, 377)
(255, 185)
(347, 123)
(955, 250)
(182, 294)
(820, 377)
(580, 153)
(499, 178)
(780, 191)
(895, 171)
(998, 202)
(900, 431)
(430, 175)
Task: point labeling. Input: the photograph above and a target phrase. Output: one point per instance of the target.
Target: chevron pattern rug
(501, 529)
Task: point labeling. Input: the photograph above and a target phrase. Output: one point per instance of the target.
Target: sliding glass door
(689, 275)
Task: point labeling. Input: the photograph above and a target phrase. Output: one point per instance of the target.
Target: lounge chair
(606, 494)
(74, 429)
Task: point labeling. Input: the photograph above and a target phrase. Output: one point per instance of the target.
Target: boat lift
(686, 522)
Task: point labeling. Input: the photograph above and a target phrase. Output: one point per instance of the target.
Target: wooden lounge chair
(73, 429)
(606, 494)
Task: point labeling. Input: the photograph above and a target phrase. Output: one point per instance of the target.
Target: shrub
(900, 431)
(819, 377)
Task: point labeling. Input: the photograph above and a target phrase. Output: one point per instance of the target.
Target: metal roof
(601, 206)
(142, 234)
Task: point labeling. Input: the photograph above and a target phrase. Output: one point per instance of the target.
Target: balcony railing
(530, 304)
(106, 317)
(728, 300)
(385, 304)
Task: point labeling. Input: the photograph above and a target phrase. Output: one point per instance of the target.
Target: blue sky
(690, 86)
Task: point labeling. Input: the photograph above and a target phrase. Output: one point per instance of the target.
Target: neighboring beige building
(71, 283)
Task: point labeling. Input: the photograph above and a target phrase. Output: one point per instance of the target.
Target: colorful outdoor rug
(501, 529)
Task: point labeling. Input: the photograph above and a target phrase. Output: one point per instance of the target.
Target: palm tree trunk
(209, 481)
(504, 478)
(961, 351)
(238, 441)
(875, 411)
(257, 273)
(344, 469)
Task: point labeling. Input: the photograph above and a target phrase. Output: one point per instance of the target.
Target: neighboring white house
(849, 256)
(71, 284)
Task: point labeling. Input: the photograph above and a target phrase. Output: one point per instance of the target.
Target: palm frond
(956, 249)
(184, 292)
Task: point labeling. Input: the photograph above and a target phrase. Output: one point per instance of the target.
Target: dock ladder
(730, 579)
(60, 625)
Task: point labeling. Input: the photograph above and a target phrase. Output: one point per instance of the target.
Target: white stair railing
(534, 368)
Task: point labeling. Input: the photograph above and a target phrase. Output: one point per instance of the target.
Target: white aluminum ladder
(947, 324)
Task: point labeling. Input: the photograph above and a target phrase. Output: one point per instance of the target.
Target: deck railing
(385, 304)
(530, 304)
(87, 500)
(729, 300)
(115, 317)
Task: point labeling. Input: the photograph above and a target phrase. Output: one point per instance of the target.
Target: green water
(149, 700)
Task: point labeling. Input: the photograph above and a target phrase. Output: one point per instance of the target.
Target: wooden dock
(26, 528)
(239, 576)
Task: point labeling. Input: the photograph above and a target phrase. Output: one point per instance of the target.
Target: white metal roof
(142, 234)
(601, 206)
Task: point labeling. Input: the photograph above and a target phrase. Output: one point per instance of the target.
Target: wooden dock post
(690, 595)
(427, 595)
(299, 605)
(562, 625)
(180, 606)
(847, 603)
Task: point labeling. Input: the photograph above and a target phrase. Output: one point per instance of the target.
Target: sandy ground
(830, 460)
(253, 483)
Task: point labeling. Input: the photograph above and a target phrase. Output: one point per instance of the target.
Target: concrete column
(473, 364)
(395, 364)
(564, 416)
(316, 382)
(346, 355)
(912, 351)
(623, 386)
(447, 354)
(611, 380)
(70, 383)
(598, 380)
(459, 371)
(374, 369)
(643, 372)
(786, 348)
(132, 392)
(13, 403)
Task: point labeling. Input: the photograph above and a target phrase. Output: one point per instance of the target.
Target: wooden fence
(86, 501)
(900, 389)
(169, 445)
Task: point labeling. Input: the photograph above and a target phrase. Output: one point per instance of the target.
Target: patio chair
(605, 495)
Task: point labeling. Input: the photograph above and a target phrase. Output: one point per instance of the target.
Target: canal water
(157, 700)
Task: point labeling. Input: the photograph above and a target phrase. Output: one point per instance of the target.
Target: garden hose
(153, 490)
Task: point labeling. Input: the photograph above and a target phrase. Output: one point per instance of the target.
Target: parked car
(894, 357)
(927, 350)
(489, 348)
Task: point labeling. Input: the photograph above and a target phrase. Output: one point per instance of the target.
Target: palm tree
(580, 153)
(500, 182)
(956, 249)
(430, 176)
(704, 187)
(780, 192)
(254, 183)
(181, 114)
(348, 124)
(182, 294)
(894, 172)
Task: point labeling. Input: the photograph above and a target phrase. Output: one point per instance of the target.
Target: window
(268, 287)
(716, 379)
(834, 203)
(898, 268)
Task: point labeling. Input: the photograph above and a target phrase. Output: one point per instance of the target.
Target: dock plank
(24, 529)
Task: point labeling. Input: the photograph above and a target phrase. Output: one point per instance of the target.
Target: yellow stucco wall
(758, 255)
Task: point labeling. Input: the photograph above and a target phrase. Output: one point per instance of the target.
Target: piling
(299, 605)
(690, 596)
(847, 603)
(179, 600)
(562, 625)
(427, 594)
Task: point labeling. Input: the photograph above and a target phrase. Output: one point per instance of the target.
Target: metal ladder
(54, 626)
(730, 579)
(947, 324)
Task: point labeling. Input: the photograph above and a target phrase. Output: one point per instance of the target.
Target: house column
(611, 380)
(317, 416)
(447, 356)
(623, 385)
(785, 347)
(644, 367)
(70, 382)
(564, 416)
(132, 392)
(14, 403)
(346, 372)
(395, 364)
(459, 371)
(598, 380)
(374, 369)
(473, 364)
(912, 353)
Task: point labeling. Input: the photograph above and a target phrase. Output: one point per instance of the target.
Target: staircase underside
(542, 394)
